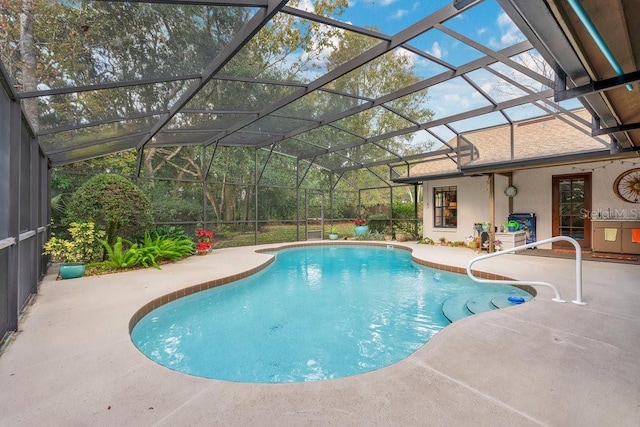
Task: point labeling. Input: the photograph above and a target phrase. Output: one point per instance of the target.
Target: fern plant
(126, 254)
(168, 247)
(121, 256)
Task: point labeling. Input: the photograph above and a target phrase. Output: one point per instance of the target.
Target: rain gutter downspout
(593, 31)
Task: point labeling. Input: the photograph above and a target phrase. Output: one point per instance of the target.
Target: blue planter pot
(71, 270)
(361, 230)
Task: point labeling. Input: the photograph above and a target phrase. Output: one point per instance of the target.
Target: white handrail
(558, 297)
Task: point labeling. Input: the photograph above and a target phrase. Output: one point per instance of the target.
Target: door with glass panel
(571, 208)
(314, 216)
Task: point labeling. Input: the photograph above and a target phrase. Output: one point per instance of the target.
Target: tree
(374, 79)
(113, 203)
(274, 53)
(84, 43)
(378, 77)
(534, 62)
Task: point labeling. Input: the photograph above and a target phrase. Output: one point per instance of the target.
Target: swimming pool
(316, 313)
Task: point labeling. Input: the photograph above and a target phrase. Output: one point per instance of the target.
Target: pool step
(461, 306)
(455, 308)
(481, 303)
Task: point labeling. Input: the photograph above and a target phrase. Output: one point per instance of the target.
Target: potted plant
(427, 241)
(333, 233)
(497, 244)
(73, 253)
(486, 226)
(205, 242)
(402, 236)
(388, 234)
(360, 227)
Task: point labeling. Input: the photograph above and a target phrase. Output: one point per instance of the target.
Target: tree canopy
(99, 43)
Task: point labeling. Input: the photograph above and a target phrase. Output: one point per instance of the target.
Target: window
(445, 207)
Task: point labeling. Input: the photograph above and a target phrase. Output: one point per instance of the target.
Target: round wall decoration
(627, 186)
(510, 191)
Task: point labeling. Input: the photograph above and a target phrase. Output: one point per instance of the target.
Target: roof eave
(422, 178)
(540, 162)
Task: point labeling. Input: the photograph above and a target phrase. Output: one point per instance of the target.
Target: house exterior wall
(535, 192)
(473, 205)
(534, 196)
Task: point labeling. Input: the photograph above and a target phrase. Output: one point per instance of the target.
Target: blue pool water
(316, 313)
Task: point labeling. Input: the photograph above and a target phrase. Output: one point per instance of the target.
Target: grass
(277, 233)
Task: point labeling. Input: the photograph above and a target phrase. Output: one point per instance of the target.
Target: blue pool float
(515, 299)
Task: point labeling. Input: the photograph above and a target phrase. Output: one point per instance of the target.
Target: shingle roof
(541, 138)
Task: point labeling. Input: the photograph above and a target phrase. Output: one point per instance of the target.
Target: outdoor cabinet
(628, 245)
(601, 243)
(511, 239)
(618, 242)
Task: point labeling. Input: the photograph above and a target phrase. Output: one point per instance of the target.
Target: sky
(485, 23)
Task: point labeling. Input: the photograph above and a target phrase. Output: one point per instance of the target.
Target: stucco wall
(534, 195)
(473, 205)
(535, 192)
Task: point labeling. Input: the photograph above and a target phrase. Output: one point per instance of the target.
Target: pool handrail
(558, 297)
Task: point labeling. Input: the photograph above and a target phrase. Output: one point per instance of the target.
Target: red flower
(204, 235)
(203, 246)
(360, 222)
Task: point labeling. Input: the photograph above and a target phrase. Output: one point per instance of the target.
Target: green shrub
(427, 241)
(169, 248)
(169, 231)
(403, 210)
(126, 254)
(84, 245)
(371, 235)
(175, 209)
(113, 203)
(378, 222)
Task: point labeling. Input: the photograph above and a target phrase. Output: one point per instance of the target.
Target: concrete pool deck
(542, 363)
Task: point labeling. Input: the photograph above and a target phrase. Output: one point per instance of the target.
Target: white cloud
(436, 50)
(504, 20)
(400, 13)
(487, 87)
(510, 34)
(386, 2)
(453, 97)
